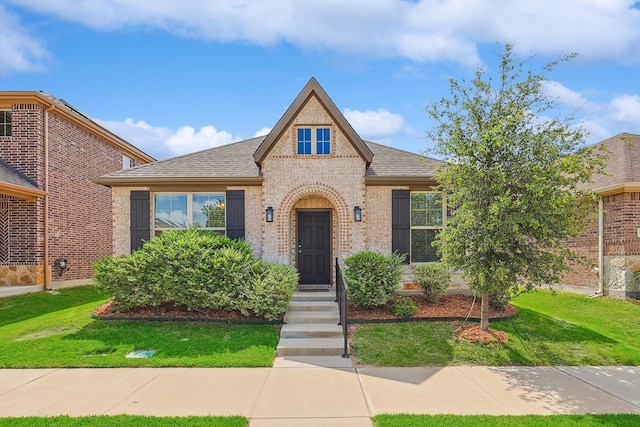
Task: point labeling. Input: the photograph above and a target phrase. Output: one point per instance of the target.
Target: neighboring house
(310, 191)
(611, 241)
(51, 213)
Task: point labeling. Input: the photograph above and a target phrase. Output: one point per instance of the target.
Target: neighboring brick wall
(80, 217)
(586, 245)
(338, 179)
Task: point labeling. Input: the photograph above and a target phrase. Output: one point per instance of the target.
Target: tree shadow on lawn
(538, 339)
(184, 340)
(24, 307)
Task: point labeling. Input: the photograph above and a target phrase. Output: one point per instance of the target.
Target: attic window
(315, 140)
(5, 123)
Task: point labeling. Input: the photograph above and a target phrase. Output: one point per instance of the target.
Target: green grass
(124, 421)
(560, 329)
(601, 420)
(45, 331)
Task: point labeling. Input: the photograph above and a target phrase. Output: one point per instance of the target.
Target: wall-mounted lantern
(269, 214)
(357, 214)
(62, 265)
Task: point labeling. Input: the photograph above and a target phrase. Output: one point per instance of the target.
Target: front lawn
(560, 329)
(601, 420)
(124, 420)
(46, 331)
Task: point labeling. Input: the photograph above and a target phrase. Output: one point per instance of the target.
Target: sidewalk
(294, 393)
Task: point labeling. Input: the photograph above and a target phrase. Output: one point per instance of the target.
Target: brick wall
(336, 181)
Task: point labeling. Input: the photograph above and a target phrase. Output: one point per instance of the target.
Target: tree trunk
(484, 312)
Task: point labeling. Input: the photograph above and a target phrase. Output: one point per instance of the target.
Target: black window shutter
(401, 222)
(140, 218)
(235, 214)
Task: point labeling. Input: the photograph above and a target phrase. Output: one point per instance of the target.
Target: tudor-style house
(51, 213)
(310, 191)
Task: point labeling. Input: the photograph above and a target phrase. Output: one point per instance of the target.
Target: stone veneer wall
(288, 178)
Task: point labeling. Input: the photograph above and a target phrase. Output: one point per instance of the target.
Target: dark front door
(314, 247)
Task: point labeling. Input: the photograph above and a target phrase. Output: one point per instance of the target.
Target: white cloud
(566, 96)
(162, 142)
(262, 132)
(379, 125)
(20, 51)
(625, 109)
(424, 30)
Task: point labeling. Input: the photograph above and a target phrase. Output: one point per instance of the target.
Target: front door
(314, 247)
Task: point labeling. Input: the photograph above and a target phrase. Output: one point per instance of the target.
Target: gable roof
(312, 88)
(233, 164)
(623, 166)
(16, 184)
(73, 115)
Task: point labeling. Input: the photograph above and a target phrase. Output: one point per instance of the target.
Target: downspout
(600, 247)
(46, 197)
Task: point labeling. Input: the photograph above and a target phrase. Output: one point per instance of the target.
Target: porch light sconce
(61, 265)
(357, 214)
(269, 214)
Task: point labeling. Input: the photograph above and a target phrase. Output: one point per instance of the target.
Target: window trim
(425, 227)
(189, 221)
(313, 130)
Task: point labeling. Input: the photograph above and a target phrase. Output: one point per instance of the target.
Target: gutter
(46, 197)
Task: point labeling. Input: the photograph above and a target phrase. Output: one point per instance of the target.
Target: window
(322, 141)
(427, 214)
(5, 123)
(206, 211)
(127, 162)
(304, 141)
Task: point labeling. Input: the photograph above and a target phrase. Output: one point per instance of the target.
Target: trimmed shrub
(403, 307)
(372, 278)
(272, 287)
(200, 270)
(433, 278)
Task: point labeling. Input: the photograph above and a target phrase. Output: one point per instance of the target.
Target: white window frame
(426, 227)
(189, 221)
(127, 162)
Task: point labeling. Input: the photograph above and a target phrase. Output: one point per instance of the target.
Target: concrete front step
(314, 296)
(312, 317)
(312, 305)
(310, 347)
(311, 330)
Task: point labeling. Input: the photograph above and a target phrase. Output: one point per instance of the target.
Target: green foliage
(200, 270)
(272, 287)
(513, 178)
(126, 420)
(372, 278)
(587, 420)
(403, 307)
(433, 278)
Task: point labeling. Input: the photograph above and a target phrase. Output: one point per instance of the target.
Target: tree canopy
(512, 177)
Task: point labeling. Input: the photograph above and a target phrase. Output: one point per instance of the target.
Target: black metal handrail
(341, 299)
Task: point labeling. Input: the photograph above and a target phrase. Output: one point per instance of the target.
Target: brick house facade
(611, 241)
(307, 193)
(49, 207)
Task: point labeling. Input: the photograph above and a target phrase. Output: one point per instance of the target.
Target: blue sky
(174, 77)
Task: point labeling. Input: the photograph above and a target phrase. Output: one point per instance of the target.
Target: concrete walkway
(297, 393)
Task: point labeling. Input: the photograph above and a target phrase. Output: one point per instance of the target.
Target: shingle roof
(623, 164)
(10, 175)
(235, 162)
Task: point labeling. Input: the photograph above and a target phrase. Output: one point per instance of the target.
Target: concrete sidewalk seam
(33, 380)
(162, 372)
(582, 380)
(364, 393)
(255, 403)
(496, 398)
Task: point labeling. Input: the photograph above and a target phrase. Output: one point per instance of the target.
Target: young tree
(512, 178)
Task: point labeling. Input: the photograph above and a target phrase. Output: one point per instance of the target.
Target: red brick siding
(585, 244)
(24, 151)
(79, 210)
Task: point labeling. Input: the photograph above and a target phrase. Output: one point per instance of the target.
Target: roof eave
(147, 181)
(24, 193)
(400, 180)
(625, 187)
